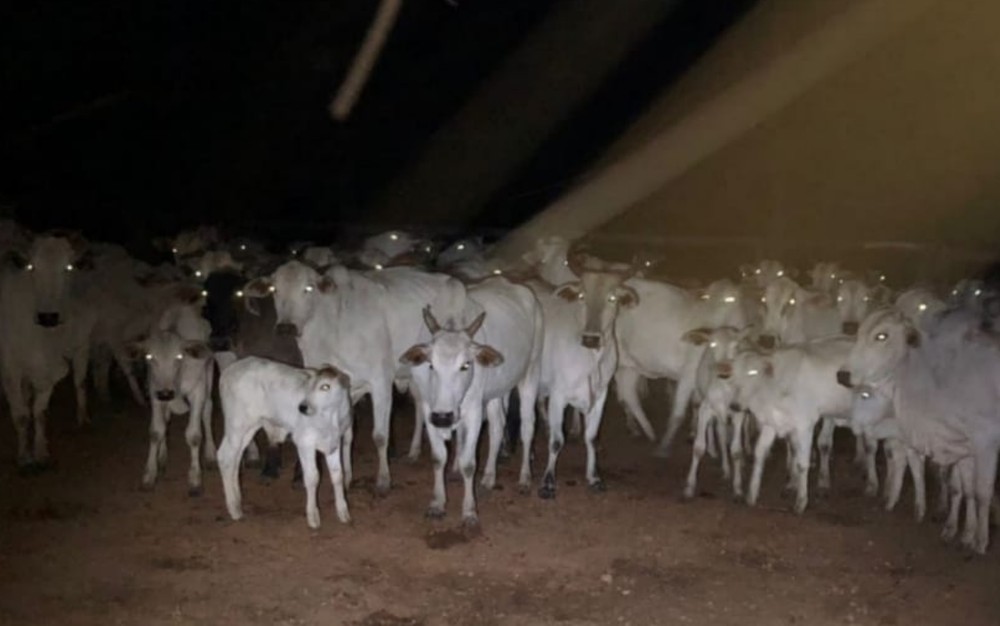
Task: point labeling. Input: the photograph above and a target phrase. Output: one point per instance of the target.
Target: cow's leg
(895, 462)
(310, 480)
(824, 442)
(439, 452)
(955, 504)
(381, 411)
(630, 422)
(575, 423)
(100, 367)
(133, 383)
(791, 484)
(333, 466)
(985, 475)
(627, 383)
(192, 434)
(495, 420)
(238, 436)
(705, 416)
(527, 395)
(764, 442)
(80, 361)
(736, 450)
(472, 417)
(418, 425)
(803, 451)
(157, 443)
(21, 416)
(208, 452)
(346, 445)
(711, 443)
(871, 468)
(456, 463)
(685, 387)
(916, 463)
(556, 409)
(721, 426)
(944, 491)
(39, 411)
(593, 426)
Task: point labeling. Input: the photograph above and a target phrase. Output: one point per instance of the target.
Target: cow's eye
(729, 299)
(149, 357)
(612, 298)
(179, 356)
(866, 395)
(780, 273)
(579, 296)
(922, 307)
(865, 298)
(243, 246)
(791, 301)
(757, 271)
(833, 276)
(763, 299)
(204, 293)
(239, 294)
(272, 289)
(461, 246)
(309, 288)
(713, 344)
(324, 387)
(30, 267)
(881, 336)
(566, 262)
(705, 296)
(840, 298)
(69, 267)
(174, 250)
(752, 372)
(465, 366)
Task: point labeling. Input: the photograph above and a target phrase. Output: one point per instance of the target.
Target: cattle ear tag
(488, 357)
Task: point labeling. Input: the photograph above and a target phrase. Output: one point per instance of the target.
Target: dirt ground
(81, 544)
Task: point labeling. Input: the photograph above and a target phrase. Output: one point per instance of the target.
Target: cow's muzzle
(165, 395)
(48, 319)
(591, 341)
(735, 407)
(724, 370)
(844, 378)
(767, 342)
(850, 328)
(287, 329)
(443, 420)
(305, 409)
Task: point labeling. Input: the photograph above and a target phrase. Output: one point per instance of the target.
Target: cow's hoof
(146, 486)
(470, 524)
(195, 491)
(687, 495)
(434, 512)
(598, 486)
(660, 452)
(547, 492)
(382, 488)
(524, 488)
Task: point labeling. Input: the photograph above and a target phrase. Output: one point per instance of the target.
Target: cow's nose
(165, 395)
(723, 370)
(844, 378)
(287, 329)
(850, 328)
(735, 406)
(304, 409)
(48, 320)
(766, 341)
(219, 344)
(591, 341)
(443, 420)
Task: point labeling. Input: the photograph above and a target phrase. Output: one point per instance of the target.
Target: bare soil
(80, 544)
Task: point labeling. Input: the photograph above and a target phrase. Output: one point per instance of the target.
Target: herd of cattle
(300, 337)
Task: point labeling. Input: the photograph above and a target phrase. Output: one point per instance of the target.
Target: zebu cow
(855, 300)
(919, 304)
(320, 257)
(189, 243)
(393, 248)
(360, 322)
(651, 342)
(312, 405)
(764, 272)
(43, 323)
(945, 392)
(179, 368)
(826, 277)
(788, 392)
(459, 372)
(462, 251)
(793, 314)
(579, 356)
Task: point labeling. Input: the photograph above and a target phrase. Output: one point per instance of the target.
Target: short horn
(432, 324)
(473, 328)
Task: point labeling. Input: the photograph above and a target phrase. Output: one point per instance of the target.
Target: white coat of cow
(462, 371)
(312, 405)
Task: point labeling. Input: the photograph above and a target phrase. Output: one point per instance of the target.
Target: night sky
(132, 119)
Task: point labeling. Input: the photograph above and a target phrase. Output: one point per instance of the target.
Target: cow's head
(826, 276)
(783, 301)
(721, 304)
(599, 293)
(751, 371)
(224, 297)
(854, 300)
(722, 344)
(918, 304)
(49, 263)
(327, 390)
(296, 288)
(762, 273)
(451, 359)
(189, 243)
(165, 354)
(884, 339)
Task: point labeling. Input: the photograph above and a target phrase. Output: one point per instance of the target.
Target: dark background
(134, 119)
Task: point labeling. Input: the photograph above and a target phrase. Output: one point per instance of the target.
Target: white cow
(461, 371)
(313, 405)
(764, 272)
(945, 393)
(651, 341)
(393, 247)
(360, 322)
(462, 251)
(855, 300)
(827, 276)
(793, 314)
(580, 355)
(190, 243)
(42, 326)
(179, 379)
(919, 304)
(788, 392)
(320, 257)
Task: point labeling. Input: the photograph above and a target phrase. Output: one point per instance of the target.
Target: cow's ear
(697, 336)
(325, 284)
(912, 337)
(197, 350)
(17, 259)
(258, 288)
(416, 355)
(85, 261)
(627, 297)
(569, 292)
(135, 350)
(487, 356)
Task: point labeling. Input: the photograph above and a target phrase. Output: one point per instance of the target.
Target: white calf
(313, 405)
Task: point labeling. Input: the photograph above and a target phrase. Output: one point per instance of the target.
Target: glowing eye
(309, 288)
(757, 271)
(704, 296)
(882, 278)
(243, 246)
(271, 289)
(833, 276)
(921, 307)
(174, 250)
(465, 366)
(378, 267)
(179, 356)
(713, 344)
(239, 294)
(840, 298)
(612, 298)
(791, 301)
(865, 395)
(393, 236)
(427, 249)
(30, 267)
(498, 272)
(648, 263)
(752, 372)
(781, 273)
(324, 387)
(461, 246)
(69, 267)
(865, 298)
(579, 296)
(566, 262)
(881, 337)
(204, 294)
(729, 299)
(149, 357)
(977, 292)
(197, 273)
(954, 292)
(763, 299)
